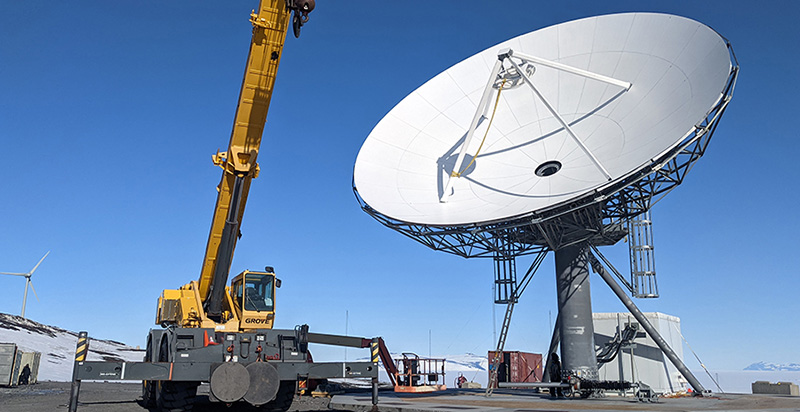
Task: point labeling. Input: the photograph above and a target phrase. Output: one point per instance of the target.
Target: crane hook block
(301, 9)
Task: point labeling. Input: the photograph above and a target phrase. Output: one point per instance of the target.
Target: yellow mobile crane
(207, 303)
(224, 335)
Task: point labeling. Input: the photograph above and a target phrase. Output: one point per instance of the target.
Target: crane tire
(149, 387)
(148, 394)
(175, 396)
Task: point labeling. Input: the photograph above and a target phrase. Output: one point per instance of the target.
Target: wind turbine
(28, 282)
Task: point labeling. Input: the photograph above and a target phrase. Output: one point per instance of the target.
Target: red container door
(531, 367)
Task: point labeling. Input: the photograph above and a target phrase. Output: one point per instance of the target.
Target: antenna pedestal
(578, 356)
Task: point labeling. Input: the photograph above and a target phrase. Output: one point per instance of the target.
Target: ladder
(505, 277)
(494, 363)
(498, 353)
(643, 266)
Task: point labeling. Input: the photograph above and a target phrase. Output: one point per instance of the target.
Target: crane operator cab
(253, 295)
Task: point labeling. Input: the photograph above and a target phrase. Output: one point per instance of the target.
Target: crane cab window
(257, 292)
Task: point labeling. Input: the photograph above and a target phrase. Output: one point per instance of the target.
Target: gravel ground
(112, 397)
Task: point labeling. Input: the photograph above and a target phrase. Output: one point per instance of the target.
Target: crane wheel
(172, 396)
(148, 394)
(175, 396)
(149, 387)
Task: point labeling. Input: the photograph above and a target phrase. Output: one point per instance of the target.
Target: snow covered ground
(58, 346)
(473, 367)
(58, 353)
(740, 381)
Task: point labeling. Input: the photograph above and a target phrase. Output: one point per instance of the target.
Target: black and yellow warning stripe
(83, 347)
(375, 351)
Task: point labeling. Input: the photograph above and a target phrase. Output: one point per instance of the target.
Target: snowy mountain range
(766, 366)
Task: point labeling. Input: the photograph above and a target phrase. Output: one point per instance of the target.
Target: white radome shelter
(641, 360)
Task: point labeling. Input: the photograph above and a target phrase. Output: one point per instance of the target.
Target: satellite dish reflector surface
(572, 108)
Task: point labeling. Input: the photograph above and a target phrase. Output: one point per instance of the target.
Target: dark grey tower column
(578, 356)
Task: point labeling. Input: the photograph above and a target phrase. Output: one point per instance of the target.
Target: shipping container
(518, 366)
(8, 354)
(16, 364)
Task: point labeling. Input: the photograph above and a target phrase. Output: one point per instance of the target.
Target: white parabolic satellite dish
(629, 86)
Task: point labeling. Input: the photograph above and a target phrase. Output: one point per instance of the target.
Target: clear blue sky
(110, 112)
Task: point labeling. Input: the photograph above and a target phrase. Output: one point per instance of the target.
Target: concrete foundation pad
(525, 401)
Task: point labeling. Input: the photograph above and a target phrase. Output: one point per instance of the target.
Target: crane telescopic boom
(249, 301)
(238, 162)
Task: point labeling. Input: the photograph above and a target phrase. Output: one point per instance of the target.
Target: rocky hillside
(58, 346)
